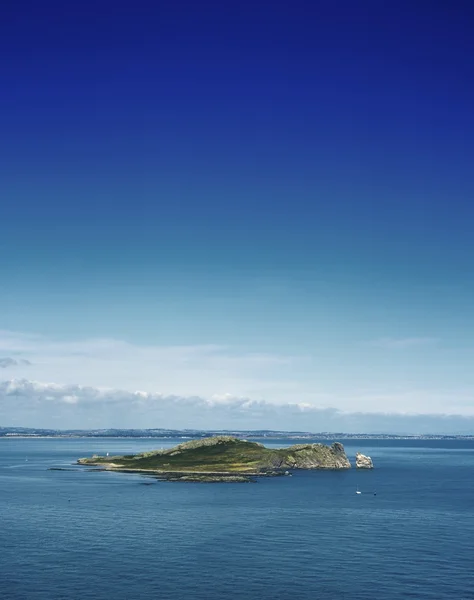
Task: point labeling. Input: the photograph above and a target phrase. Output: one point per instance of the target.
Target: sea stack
(363, 462)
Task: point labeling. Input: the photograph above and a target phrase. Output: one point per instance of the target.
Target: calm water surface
(83, 535)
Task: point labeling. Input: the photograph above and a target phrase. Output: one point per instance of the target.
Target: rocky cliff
(315, 456)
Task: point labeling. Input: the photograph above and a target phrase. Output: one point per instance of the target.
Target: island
(224, 459)
(363, 462)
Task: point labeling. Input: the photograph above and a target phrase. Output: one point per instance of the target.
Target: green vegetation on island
(224, 458)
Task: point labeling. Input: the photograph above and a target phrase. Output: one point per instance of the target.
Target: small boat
(358, 491)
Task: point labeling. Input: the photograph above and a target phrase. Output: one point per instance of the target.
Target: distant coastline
(163, 434)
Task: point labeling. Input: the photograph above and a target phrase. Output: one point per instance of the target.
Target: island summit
(224, 459)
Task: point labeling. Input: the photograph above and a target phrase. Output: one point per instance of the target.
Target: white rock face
(363, 462)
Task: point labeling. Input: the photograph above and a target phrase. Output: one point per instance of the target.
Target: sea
(76, 534)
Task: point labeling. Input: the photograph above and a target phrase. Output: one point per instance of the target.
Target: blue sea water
(85, 535)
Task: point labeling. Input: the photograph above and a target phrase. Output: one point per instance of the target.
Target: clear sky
(256, 213)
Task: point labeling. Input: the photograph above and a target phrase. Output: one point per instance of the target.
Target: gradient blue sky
(282, 182)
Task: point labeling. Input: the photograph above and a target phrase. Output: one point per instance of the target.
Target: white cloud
(184, 370)
(227, 380)
(34, 404)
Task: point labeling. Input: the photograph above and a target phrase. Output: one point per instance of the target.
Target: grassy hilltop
(225, 457)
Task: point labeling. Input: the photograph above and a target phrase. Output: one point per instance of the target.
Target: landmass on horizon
(25, 432)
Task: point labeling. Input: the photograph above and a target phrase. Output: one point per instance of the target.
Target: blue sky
(282, 192)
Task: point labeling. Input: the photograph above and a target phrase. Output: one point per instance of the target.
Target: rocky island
(224, 459)
(363, 462)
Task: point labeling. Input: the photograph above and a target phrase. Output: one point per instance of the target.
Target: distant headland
(224, 458)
